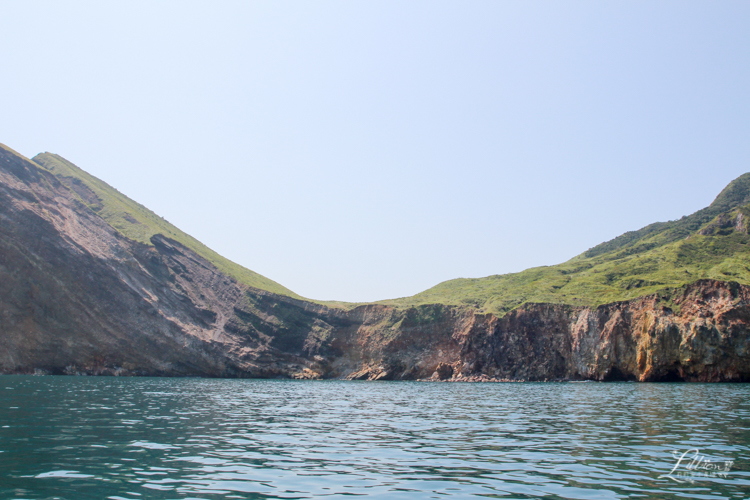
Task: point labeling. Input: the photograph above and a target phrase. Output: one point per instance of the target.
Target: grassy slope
(138, 223)
(659, 257)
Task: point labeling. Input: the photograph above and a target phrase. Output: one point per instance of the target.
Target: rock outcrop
(77, 297)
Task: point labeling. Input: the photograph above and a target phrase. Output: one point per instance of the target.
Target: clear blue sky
(369, 150)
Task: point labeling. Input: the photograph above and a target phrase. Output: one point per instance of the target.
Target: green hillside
(138, 223)
(662, 257)
(711, 243)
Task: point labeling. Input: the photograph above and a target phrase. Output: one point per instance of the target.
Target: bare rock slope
(76, 296)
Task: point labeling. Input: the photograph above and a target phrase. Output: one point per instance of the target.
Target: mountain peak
(736, 194)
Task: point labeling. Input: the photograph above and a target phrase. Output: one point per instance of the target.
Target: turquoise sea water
(146, 438)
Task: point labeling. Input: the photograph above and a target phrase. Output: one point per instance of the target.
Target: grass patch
(710, 244)
(666, 255)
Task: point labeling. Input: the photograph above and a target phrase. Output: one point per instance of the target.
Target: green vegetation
(662, 257)
(711, 243)
(138, 223)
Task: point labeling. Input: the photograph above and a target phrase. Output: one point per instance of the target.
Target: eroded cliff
(77, 296)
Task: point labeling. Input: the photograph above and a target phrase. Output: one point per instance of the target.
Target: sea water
(150, 438)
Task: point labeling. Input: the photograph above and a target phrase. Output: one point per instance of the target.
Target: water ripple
(77, 437)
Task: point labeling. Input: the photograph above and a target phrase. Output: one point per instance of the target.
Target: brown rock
(444, 371)
(79, 298)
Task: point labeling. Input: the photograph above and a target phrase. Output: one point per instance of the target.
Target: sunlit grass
(661, 257)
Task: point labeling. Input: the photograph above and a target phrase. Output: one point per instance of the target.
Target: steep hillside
(78, 296)
(709, 244)
(92, 283)
(712, 243)
(138, 223)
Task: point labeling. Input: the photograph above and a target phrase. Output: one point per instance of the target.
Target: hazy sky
(369, 150)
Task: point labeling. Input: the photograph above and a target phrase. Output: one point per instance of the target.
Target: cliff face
(78, 297)
(704, 338)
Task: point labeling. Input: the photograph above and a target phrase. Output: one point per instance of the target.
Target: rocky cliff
(77, 296)
(698, 333)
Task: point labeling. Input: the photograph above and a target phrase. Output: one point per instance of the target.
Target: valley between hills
(95, 283)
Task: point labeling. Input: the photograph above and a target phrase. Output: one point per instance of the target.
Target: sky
(369, 150)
